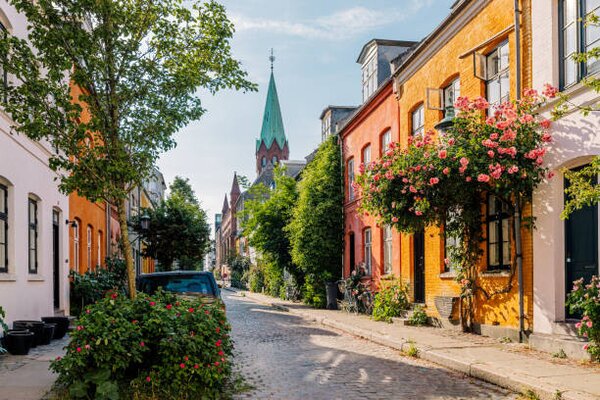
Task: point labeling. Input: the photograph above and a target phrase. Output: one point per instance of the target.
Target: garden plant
(584, 299)
(391, 300)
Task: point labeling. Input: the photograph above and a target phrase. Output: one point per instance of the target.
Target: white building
(563, 250)
(34, 245)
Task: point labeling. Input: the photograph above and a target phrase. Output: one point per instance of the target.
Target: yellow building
(472, 53)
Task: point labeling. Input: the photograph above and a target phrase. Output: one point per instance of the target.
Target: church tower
(272, 145)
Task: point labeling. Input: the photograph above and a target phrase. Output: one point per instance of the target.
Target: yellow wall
(439, 70)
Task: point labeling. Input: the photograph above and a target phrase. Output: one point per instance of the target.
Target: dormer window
(326, 127)
(369, 77)
(263, 162)
(274, 160)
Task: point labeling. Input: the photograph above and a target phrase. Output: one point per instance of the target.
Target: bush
(92, 286)
(256, 279)
(239, 266)
(391, 301)
(157, 347)
(418, 317)
(585, 300)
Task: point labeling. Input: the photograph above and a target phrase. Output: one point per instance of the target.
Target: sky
(315, 43)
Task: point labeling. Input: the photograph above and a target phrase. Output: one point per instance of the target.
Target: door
(352, 252)
(55, 259)
(581, 246)
(419, 266)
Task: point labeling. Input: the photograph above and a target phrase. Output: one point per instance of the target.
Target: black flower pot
(37, 327)
(62, 325)
(18, 342)
(48, 333)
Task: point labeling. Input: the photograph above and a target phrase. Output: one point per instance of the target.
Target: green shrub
(92, 286)
(418, 317)
(273, 278)
(314, 290)
(256, 279)
(585, 300)
(169, 347)
(239, 266)
(391, 301)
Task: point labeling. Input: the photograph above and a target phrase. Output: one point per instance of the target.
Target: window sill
(495, 274)
(36, 278)
(6, 277)
(448, 275)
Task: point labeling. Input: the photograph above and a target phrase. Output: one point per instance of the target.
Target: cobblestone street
(284, 357)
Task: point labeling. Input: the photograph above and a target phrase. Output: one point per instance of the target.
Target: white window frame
(417, 118)
(498, 73)
(4, 219)
(450, 94)
(386, 139)
(89, 247)
(33, 228)
(368, 248)
(350, 173)
(76, 248)
(366, 154)
(387, 249)
(99, 249)
(369, 77)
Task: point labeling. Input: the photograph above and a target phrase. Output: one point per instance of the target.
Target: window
(350, 179)
(369, 78)
(366, 154)
(387, 249)
(3, 72)
(451, 243)
(33, 236)
(498, 234)
(368, 250)
(386, 139)
(263, 162)
(418, 121)
(3, 229)
(89, 248)
(325, 127)
(76, 249)
(99, 249)
(575, 37)
(497, 84)
(274, 160)
(451, 93)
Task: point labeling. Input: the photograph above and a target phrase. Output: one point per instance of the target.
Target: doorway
(56, 258)
(351, 251)
(419, 266)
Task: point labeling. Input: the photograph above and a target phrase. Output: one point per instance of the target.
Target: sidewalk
(28, 377)
(512, 366)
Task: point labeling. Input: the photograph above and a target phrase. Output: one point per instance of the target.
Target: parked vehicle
(186, 283)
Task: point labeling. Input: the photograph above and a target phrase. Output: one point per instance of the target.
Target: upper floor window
(263, 162)
(576, 37)
(350, 179)
(451, 93)
(369, 77)
(99, 249)
(386, 139)
(451, 244)
(89, 248)
(367, 243)
(418, 121)
(3, 229)
(498, 231)
(366, 154)
(33, 236)
(497, 82)
(76, 254)
(274, 160)
(387, 249)
(325, 127)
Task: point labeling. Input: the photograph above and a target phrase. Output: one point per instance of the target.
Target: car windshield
(195, 283)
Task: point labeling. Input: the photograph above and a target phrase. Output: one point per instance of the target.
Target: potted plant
(62, 325)
(18, 342)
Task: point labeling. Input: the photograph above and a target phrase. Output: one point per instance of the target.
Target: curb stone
(479, 371)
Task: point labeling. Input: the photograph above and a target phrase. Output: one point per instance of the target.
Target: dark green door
(581, 251)
(419, 266)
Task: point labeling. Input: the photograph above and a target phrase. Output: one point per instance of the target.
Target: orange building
(472, 53)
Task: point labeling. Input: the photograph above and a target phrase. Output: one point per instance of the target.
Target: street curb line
(476, 370)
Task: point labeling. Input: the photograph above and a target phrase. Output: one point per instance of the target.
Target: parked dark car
(186, 283)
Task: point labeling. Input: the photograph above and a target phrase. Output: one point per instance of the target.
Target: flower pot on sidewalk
(36, 327)
(332, 294)
(48, 333)
(18, 342)
(62, 325)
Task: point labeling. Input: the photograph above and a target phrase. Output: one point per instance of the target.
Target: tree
(109, 82)
(178, 229)
(317, 224)
(266, 215)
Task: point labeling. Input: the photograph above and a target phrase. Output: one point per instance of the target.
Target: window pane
(570, 10)
(2, 199)
(591, 5)
(367, 154)
(503, 57)
(3, 265)
(494, 256)
(570, 72)
(504, 87)
(592, 34)
(493, 231)
(570, 40)
(32, 212)
(493, 63)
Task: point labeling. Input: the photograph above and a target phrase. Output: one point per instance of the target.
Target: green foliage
(239, 266)
(178, 229)
(391, 300)
(413, 350)
(256, 279)
(93, 285)
(3, 326)
(171, 347)
(316, 227)
(585, 300)
(418, 317)
(265, 218)
(583, 189)
(107, 83)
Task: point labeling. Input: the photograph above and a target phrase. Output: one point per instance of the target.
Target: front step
(572, 346)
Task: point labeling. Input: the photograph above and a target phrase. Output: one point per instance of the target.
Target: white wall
(576, 140)
(24, 169)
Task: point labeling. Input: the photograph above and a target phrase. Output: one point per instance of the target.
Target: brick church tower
(272, 145)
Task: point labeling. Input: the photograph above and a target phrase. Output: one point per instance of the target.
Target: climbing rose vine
(442, 178)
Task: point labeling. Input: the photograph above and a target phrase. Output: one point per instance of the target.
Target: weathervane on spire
(272, 59)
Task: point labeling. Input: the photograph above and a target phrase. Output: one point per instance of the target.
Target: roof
(293, 167)
(382, 42)
(330, 107)
(225, 206)
(235, 187)
(272, 125)
(266, 177)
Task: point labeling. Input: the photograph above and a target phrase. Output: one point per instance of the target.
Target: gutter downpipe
(518, 238)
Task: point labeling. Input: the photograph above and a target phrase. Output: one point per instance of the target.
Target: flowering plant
(169, 347)
(584, 299)
(441, 178)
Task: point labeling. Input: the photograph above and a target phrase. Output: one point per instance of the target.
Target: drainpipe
(518, 239)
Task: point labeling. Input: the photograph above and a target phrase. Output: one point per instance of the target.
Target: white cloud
(337, 26)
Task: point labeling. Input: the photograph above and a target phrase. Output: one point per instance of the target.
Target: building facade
(564, 250)
(34, 244)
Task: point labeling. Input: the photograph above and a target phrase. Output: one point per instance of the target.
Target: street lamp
(447, 122)
(145, 222)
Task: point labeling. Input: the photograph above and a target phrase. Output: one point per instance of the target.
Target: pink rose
(446, 171)
(442, 154)
(545, 123)
(412, 189)
(464, 161)
(481, 103)
(182, 365)
(462, 103)
(549, 91)
(434, 181)
(546, 137)
(394, 219)
(148, 379)
(483, 178)
(589, 324)
(418, 213)
(152, 304)
(490, 153)
(87, 346)
(79, 349)
(468, 179)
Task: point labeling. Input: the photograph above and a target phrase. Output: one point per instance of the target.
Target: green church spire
(272, 125)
